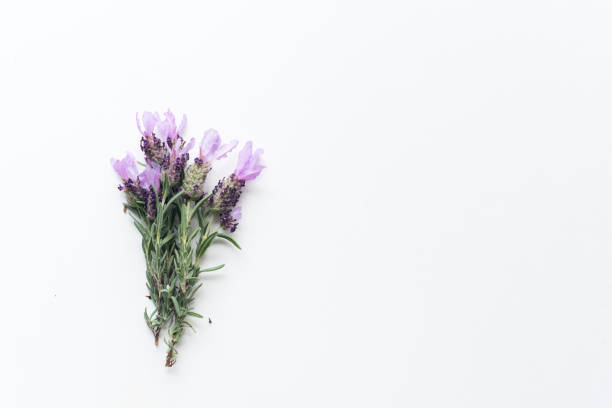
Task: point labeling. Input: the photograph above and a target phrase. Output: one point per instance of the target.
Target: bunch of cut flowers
(178, 216)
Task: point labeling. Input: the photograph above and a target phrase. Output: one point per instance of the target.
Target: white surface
(434, 227)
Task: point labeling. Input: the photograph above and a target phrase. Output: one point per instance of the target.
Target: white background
(434, 228)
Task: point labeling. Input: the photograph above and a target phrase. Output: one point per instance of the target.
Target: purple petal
(150, 176)
(182, 125)
(126, 167)
(251, 173)
(162, 130)
(138, 125)
(149, 120)
(225, 149)
(188, 146)
(170, 119)
(255, 158)
(208, 146)
(236, 213)
(243, 157)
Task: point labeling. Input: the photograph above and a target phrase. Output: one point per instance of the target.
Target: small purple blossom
(248, 166)
(211, 148)
(139, 186)
(227, 192)
(126, 167)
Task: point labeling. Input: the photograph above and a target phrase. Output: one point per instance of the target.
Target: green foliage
(173, 244)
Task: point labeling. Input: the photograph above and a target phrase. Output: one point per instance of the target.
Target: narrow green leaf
(148, 319)
(141, 229)
(173, 199)
(228, 238)
(193, 235)
(202, 200)
(205, 244)
(194, 314)
(214, 268)
(176, 305)
(168, 238)
(185, 322)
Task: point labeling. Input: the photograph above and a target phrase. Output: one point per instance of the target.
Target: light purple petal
(248, 163)
(149, 120)
(170, 118)
(138, 124)
(243, 157)
(162, 131)
(188, 146)
(251, 173)
(225, 149)
(150, 176)
(208, 146)
(182, 125)
(254, 160)
(236, 213)
(126, 167)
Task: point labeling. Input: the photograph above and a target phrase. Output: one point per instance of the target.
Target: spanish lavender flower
(224, 198)
(210, 149)
(226, 194)
(140, 186)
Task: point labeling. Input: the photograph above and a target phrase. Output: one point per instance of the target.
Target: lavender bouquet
(176, 216)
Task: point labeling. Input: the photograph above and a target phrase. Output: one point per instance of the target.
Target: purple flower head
(248, 166)
(150, 176)
(126, 167)
(224, 198)
(211, 148)
(166, 129)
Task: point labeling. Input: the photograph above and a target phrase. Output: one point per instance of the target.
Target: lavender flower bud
(195, 175)
(175, 162)
(150, 205)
